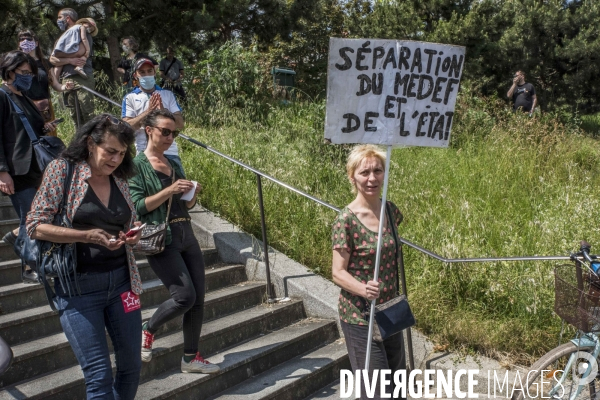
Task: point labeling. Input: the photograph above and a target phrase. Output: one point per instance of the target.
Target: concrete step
(68, 382)
(46, 354)
(7, 211)
(242, 362)
(29, 324)
(330, 391)
(294, 379)
(10, 271)
(7, 252)
(20, 296)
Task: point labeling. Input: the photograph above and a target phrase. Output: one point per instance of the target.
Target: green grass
(591, 124)
(508, 186)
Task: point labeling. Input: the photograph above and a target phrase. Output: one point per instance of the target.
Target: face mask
(62, 24)
(89, 30)
(147, 82)
(22, 82)
(27, 46)
(125, 49)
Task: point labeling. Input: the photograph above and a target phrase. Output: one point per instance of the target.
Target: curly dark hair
(13, 60)
(133, 43)
(97, 128)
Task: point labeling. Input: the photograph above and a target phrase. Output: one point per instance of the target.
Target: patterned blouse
(48, 199)
(361, 242)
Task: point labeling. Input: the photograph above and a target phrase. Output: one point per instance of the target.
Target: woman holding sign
(354, 239)
(180, 265)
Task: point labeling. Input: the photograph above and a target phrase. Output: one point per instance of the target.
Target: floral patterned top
(48, 200)
(361, 242)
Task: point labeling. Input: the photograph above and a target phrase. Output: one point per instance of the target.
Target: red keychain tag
(131, 301)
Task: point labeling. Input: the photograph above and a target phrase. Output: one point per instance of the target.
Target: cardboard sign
(392, 92)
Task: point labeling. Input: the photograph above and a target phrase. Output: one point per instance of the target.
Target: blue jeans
(21, 201)
(177, 161)
(84, 318)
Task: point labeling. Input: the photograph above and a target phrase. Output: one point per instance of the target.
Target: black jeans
(180, 267)
(388, 354)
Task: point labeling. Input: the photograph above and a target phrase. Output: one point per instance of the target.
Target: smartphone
(135, 230)
(58, 121)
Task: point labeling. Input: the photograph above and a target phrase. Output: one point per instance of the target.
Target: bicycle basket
(577, 297)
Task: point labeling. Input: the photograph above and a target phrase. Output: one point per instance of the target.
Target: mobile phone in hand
(135, 230)
(58, 121)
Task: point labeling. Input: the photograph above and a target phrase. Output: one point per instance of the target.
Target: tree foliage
(556, 42)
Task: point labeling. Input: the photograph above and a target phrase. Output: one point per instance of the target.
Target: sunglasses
(166, 132)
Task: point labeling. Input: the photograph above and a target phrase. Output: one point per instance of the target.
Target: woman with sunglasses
(108, 283)
(180, 266)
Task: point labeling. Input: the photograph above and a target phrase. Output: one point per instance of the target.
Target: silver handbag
(154, 237)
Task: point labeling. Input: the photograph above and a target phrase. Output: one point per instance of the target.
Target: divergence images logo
(431, 383)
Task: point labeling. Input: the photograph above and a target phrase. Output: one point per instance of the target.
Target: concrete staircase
(265, 351)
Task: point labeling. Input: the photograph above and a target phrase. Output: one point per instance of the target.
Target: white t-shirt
(136, 102)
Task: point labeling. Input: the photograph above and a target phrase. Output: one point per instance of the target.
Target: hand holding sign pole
(394, 93)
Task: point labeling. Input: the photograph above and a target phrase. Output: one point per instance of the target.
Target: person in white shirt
(138, 103)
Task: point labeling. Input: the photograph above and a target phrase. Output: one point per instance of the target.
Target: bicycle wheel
(557, 365)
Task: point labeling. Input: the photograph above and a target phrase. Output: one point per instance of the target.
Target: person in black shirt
(522, 94)
(40, 86)
(20, 174)
(108, 281)
(130, 46)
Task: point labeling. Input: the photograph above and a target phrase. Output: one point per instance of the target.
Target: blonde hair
(358, 154)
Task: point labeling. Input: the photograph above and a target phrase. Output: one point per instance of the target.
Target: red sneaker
(147, 341)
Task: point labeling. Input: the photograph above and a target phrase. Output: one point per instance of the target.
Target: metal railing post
(411, 358)
(263, 225)
(77, 109)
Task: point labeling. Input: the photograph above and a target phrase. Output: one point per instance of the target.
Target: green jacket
(146, 183)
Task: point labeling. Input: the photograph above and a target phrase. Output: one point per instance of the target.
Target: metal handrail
(259, 175)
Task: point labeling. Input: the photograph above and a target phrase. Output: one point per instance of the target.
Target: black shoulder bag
(47, 148)
(52, 260)
(395, 315)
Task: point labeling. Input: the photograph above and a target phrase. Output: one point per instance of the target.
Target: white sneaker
(81, 72)
(200, 365)
(147, 341)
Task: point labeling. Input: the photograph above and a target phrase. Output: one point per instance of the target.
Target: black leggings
(181, 269)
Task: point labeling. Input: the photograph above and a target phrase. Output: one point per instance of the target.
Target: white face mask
(125, 48)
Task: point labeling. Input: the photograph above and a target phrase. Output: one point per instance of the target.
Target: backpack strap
(23, 117)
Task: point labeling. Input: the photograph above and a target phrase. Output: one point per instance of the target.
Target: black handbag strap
(170, 198)
(395, 234)
(63, 211)
(170, 65)
(23, 117)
